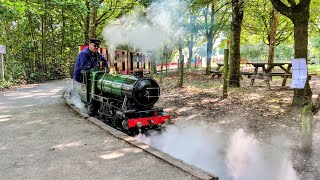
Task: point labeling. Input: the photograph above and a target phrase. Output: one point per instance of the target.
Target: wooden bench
(285, 76)
(314, 75)
(216, 73)
(249, 74)
(268, 77)
(244, 61)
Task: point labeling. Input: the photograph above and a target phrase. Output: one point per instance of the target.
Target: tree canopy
(42, 37)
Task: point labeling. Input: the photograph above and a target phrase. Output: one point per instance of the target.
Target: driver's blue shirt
(85, 61)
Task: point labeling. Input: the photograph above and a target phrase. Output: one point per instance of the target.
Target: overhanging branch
(282, 8)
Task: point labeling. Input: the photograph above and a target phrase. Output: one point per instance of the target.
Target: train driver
(88, 58)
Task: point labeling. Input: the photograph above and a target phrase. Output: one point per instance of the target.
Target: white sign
(299, 73)
(2, 49)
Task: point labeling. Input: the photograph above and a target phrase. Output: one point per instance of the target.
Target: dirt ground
(255, 109)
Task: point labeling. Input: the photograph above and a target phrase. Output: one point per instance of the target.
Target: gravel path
(42, 138)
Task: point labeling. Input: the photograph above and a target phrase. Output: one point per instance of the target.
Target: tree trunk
(181, 62)
(237, 16)
(53, 44)
(209, 53)
(62, 31)
(167, 57)
(87, 24)
(299, 15)
(225, 73)
(190, 52)
(153, 65)
(272, 35)
(300, 96)
(34, 47)
(209, 34)
(191, 43)
(93, 26)
(306, 119)
(161, 68)
(43, 42)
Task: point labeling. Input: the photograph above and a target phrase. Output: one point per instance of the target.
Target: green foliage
(284, 52)
(5, 85)
(256, 52)
(314, 17)
(259, 52)
(38, 77)
(256, 24)
(315, 42)
(34, 29)
(314, 69)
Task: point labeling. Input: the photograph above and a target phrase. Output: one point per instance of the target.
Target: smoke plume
(150, 31)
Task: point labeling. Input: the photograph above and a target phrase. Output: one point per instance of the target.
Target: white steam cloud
(74, 96)
(162, 24)
(236, 156)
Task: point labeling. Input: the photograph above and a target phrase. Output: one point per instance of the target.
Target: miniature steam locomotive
(123, 101)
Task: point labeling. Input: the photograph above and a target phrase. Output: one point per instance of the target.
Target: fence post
(306, 123)
(2, 52)
(225, 72)
(2, 68)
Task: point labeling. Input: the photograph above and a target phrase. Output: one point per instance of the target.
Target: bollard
(306, 127)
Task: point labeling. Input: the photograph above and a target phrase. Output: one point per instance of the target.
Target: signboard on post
(2, 52)
(2, 49)
(299, 73)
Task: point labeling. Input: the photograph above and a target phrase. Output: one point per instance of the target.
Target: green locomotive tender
(123, 101)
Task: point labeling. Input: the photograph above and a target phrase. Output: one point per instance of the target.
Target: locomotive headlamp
(166, 121)
(139, 124)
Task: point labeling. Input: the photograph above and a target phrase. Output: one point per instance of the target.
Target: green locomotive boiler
(124, 101)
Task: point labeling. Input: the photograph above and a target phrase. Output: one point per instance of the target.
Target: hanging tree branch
(106, 12)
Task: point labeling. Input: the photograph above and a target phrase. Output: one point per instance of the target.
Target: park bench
(216, 73)
(244, 73)
(244, 61)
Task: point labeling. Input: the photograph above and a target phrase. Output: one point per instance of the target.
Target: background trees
(42, 36)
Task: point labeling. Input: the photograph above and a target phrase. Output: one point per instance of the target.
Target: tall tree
(236, 22)
(192, 37)
(264, 22)
(181, 65)
(299, 14)
(209, 33)
(215, 16)
(272, 35)
(94, 13)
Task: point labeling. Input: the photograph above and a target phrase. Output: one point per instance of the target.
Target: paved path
(42, 138)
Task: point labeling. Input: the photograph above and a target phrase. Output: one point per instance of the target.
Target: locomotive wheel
(89, 109)
(92, 108)
(134, 131)
(102, 111)
(125, 124)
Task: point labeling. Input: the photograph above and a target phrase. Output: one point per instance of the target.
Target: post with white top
(2, 52)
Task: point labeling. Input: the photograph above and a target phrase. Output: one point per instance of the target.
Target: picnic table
(217, 72)
(267, 72)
